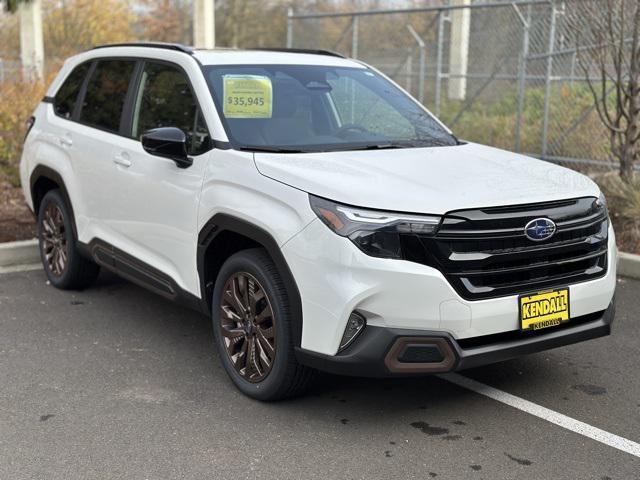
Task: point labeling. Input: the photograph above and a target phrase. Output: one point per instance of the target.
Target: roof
(270, 57)
(229, 56)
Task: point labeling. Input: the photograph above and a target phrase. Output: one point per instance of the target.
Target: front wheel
(252, 324)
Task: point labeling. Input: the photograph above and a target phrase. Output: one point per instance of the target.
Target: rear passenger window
(106, 92)
(65, 100)
(165, 99)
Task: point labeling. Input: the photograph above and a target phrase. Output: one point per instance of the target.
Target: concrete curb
(19, 253)
(27, 253)
(628, 265)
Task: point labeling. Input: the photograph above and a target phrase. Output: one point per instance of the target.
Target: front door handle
(122, 159)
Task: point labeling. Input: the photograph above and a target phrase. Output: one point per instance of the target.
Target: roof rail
(167, 46)
(182, 48)
(301, 50)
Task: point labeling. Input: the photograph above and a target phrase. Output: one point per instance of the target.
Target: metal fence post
(290, 27)
(574, 58)
(354, 54)
(522, 74)
(354, 38)
(547, 86)
(409, 70)
(421, 74)
(438, 88)
(422, 60)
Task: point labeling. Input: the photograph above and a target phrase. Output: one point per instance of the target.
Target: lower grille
(516, 335)
(484, 253)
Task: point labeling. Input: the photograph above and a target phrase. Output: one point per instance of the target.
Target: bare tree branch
(616, 56)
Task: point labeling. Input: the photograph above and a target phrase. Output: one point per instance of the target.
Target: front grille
(484, 253)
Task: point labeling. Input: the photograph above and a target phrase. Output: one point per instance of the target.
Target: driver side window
(362, 107)
(165, 99)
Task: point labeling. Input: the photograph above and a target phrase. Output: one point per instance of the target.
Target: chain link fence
(501, 73)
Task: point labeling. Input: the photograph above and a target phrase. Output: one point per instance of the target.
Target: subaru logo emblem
(540, 229)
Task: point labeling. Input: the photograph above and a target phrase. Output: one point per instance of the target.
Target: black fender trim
(221, 223)
(42, 171)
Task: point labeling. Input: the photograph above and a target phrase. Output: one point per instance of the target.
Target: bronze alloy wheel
(248, 326)
(54, 240)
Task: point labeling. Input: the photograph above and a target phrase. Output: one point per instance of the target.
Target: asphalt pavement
(115, 382)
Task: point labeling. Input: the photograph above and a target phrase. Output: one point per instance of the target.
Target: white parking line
(563, 421)
(21, 268)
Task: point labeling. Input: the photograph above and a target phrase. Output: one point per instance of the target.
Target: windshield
(305, 108)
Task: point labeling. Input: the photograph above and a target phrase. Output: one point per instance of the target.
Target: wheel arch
(42, 180)
(222, 236)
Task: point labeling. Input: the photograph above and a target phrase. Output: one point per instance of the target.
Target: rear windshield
(318, 108)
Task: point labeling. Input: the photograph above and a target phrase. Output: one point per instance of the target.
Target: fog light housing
(355, 325)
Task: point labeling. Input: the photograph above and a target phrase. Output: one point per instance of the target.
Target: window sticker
(247, 96)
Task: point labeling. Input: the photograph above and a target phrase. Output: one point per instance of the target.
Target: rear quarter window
(65, 100)
(106, 92)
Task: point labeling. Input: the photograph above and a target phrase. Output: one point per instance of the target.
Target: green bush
(492, 121)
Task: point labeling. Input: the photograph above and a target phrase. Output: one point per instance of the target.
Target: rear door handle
(122, 159)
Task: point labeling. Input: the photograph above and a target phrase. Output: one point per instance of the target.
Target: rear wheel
(64, 266)
(253, 327)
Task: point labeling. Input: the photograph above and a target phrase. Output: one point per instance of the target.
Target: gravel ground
(16, 220)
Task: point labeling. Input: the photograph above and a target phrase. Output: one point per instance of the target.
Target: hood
(427, 180)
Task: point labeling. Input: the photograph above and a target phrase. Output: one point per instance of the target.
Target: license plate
(544, 309)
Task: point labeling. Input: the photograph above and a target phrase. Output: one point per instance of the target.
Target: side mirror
(167, 142)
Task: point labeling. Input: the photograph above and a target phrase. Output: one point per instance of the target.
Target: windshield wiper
(249, 148)
(373, 146)
(338, 148)
(347, 147)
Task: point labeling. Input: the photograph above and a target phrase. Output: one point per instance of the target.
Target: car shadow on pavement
(186, 338)
(190, 337)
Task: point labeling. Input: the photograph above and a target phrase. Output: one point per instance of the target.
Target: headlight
(377, 233)
(602, 201)
(601, 204)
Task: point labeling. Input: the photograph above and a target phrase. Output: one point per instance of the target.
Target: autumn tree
(251, 23)
(9, 36)
(263, 23)
(71, 26)
(166, 21)
(12, 5)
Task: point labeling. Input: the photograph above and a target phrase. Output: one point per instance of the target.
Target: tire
(65, 268)
(235, 332)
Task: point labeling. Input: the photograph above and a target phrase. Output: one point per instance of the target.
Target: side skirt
(140, 273)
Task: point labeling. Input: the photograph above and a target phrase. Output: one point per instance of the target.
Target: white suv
(319, 214)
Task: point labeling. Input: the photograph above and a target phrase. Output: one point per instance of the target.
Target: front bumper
(382, 352)
(335, 278)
